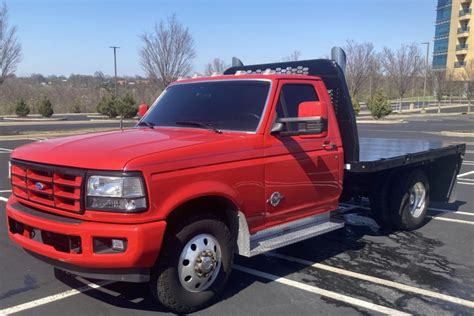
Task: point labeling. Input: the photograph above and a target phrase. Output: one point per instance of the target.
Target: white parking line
(433, 217)
(302, 286)
(55, 297)
(399, 286)
(448, 211)
(451, 220)
(8, 150)
(465, 174)
(4, 199)
(465, 183)
(319, 291)
(5, 191)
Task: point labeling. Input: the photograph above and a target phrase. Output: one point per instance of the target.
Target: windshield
(235, 105)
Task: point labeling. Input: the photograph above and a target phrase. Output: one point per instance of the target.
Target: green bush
(356, 105)
(76, 106)
(379, 105)
(45, 108)
(126, 106)
(21, 108)
(107, 106)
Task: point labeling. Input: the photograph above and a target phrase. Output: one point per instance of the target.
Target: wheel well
(218, 206)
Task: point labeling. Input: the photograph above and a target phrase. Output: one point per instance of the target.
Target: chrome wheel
(199, 263)
(417, 199)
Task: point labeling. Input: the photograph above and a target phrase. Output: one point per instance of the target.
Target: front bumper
(143, 240)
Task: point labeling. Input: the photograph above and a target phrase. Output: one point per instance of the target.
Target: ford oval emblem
(39, 185)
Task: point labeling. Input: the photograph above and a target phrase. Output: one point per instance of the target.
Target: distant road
(53, 126)
(68, 117)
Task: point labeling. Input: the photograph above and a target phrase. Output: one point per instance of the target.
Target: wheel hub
(205, 263)
(417, 199)
(199, 263)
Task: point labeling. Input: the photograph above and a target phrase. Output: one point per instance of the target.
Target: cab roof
(271, 77)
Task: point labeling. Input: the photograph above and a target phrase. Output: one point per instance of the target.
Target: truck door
(302, 172)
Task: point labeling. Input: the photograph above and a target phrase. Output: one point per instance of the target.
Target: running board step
(290, 233)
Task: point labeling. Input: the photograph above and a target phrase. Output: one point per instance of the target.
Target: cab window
(291, 95)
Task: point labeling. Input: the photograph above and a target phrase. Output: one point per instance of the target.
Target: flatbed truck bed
(378, 154)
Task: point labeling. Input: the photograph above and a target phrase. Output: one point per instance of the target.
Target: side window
(291, 95)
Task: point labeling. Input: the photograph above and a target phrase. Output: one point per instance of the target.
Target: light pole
(426, 70)
(115, 68)
(414, 80)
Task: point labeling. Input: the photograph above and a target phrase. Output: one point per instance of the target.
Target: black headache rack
(334, 79)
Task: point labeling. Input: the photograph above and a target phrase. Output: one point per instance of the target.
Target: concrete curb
(381, 121)
(97, 116)
(12, 123)
(402, 116)
(112, 120)
(34, 119)
(457, 134)
(54, 115)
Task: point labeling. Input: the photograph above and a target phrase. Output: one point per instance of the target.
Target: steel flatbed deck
(378, 154)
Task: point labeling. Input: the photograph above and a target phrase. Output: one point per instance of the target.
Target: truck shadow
(358, 247)
(436, 209)
(134, 296)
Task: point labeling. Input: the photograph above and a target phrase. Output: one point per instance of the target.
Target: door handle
(329, 146)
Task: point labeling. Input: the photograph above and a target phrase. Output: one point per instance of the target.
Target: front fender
(181, 194)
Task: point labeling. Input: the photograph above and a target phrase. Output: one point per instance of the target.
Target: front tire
(194, 264)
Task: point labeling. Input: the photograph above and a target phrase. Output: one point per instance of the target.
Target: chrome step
(289, 233)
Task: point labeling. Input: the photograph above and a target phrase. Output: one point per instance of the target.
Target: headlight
(116, 193)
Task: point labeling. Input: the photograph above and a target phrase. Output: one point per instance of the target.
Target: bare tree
(442, 84)
(361, 66)
(468, 78)
(216, 66)
(10, 48)
(294, 56)
(99, 75)
(167, 52)
(401, 67)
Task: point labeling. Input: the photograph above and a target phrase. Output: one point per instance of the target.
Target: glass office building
(452, 35)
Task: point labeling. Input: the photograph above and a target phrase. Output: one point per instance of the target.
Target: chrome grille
(52, 186)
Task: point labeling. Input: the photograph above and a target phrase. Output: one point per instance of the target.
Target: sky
(64, 37)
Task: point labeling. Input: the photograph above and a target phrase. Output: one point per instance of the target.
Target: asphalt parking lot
(356, 270)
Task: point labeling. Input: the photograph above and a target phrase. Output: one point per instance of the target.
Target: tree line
(167, 53)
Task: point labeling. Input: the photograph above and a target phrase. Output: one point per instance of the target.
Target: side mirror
(311, 121)
(142, 109)
(312, 109)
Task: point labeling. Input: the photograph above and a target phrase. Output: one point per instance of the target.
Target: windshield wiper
(200, 124)
(145, 123)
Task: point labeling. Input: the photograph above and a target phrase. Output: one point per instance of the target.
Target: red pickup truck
(242, 163)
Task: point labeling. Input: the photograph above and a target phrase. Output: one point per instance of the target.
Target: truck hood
(112, 150)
